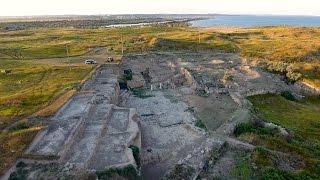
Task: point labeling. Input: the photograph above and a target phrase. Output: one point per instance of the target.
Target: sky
(91, 7)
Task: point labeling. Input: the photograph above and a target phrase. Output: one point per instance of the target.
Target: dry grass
(52, 108)
(13, 144)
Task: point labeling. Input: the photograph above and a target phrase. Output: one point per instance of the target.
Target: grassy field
(51, 43)
(298, 48)
(30, 87)
(301, 118)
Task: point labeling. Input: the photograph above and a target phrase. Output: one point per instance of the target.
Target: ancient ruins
(169, 93)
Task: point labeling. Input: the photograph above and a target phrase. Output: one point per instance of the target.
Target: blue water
(263, 20)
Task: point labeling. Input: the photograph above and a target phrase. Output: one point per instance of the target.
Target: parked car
(90, 61)
(110, 59)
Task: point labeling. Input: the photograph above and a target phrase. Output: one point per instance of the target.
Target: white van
(90, 61)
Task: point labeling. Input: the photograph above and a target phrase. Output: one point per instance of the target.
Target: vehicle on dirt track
(90, 61)
(110, 59)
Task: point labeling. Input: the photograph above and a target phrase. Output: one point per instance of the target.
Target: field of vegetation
(291, 51)
(29, 87)
(41, 68)
(296, 156)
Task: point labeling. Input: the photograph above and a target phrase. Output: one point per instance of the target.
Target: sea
(258, 20)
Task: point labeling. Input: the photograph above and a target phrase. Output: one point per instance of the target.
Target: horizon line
(231, 14)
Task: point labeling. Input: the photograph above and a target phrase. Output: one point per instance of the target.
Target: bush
(128, 172)
(190, 109)
(202, 93)
(277, 67)
(128, 74)
(243, 128)
(19, 126)
(200, 124)
(250, 128)
(123, 84)
(287, 95)
(136, 154)
(293, 76)
(140, 92)
(228, 77)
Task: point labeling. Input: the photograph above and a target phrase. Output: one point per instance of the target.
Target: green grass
(136, 154)
(301, 118)
(243, 168)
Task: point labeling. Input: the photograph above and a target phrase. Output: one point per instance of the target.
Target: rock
(189, 156)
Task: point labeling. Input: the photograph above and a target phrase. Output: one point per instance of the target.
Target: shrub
(228, 77)
(293, 76)
(128, 74)
(202, 93)
(200, 124)
(123, 84)
(251, 128)
(136, 154)
(140, 92)
(287, 95)
(128, 172)
(278, 67)
(190, 109)
(19, 126)
(243, 128)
